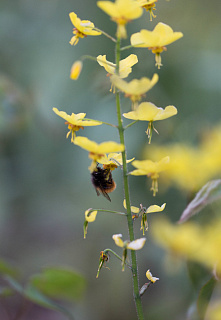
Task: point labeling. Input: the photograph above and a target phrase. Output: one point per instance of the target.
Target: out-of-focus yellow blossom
(214, 311)
(150, 277)
(147, 111)
(143, 212)
(155, 40)
(149, 5)
(134, 89)
(97, 151)
(112, 161)
(150, 169)
(191, 167)
(121, 12)
(75, 122)
(83, 28)
(133, 245)
(90, 216)
(76, 70)
(124, 65)
(191, 241)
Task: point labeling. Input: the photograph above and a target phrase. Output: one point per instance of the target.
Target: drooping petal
(90, 216)
(136, 244)
(150, 277)
(118, 241)
(155, 208)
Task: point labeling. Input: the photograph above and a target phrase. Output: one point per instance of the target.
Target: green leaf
(59, 283)
(6, 269)
(37, 297)
(204, 297)
(207, 194)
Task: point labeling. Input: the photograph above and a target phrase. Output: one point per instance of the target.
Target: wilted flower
(150, 277)
(90, 216)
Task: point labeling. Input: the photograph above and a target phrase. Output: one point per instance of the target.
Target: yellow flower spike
(155, 40)
(75, 122)
(151, 169)
(149, 5)
(83, 28)
(121, 12)
(76, 70)
(112, 161)
(147, 111)
(124, 65)
(150, 277)
(134, 89)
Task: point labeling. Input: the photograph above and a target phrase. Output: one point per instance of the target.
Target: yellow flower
(124, 66)
(133, 245)
(75, 122)
(150, 277)
(143, 212)
(112, 160)
(147, 111)
(134, 89)
(121, 12)
(155, 40)
(97, 151)
(90, 216)
(83, 28)
(191, 241)
(149, 5)
(76, 70)
(151, 169)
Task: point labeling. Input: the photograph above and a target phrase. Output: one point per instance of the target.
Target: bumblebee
(103, 182)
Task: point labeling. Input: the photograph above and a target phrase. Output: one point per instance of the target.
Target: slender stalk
(110, 211)
(136, 294)
(105, 34)
(130, 124)
(117, 256)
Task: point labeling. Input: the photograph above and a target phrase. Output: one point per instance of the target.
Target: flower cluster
(109, 155)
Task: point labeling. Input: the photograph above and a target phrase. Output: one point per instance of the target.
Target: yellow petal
(123, 9)
(150, 277)
(90, 216)
(147, 111)
(148, 166)
(104, 147)
(84, 26)
(118, 241)
(162, 35)
(155, 208)
(133, 209)
(135, 87)
(136, 244)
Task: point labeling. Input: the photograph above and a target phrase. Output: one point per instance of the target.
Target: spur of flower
(155, 40)
(96, 150)
(121, 12)
(76, 122)
(124, 65)
(149, 5)
(150, 169)
(83, 28)
(134, 89)
(142, 211)
(112, 161)
(147, 111)
(133, 245)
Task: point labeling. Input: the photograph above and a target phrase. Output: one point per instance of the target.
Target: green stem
(105, 34)
(108, 124)
(130, 124)
(111, 211)
(136, 294)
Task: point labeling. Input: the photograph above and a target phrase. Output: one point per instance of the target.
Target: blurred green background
(45, 183)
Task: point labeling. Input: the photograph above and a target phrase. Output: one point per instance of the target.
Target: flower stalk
(121, 130)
